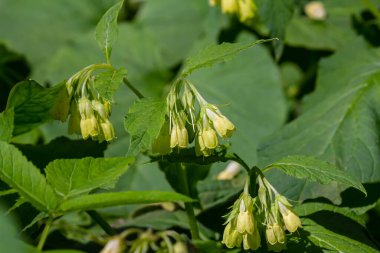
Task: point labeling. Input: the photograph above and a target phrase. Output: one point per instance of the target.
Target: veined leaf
(341, 121)
(329, 240)
(107, 82)
(6, 125)
(106, 30)
(315, 170)
(23, 176)
(71, 177)
(216, 54)
(31, 104)
(310, 208)
(143, 122)
(93, 201)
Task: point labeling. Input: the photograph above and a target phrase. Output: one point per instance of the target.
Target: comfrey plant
(180, 132)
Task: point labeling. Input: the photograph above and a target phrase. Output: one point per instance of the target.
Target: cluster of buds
(269, 210)
(89, 112)
(187, 120)
(242, 224)
(146, 241)
(244, 9)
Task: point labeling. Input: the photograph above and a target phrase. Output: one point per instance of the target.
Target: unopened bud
(209, 138)
(229, 6)
(222, 125)
(89, 127)
(180, 247)
(246, 10)
(107, 130)
(245, 220)
(114, 245)
(85, 108)
(100, 109)
(252, 241)
(315, 10)
(270, 236)
(231, 237)
(179, 137)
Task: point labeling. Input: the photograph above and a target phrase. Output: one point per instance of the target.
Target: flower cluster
(242, 225)
(89, 112)
(244, 9)
(269, 210)
(187, 120)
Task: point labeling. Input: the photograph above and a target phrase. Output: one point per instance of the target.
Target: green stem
(133, 88)
(194, 230)
(45, 234)
(101, 222)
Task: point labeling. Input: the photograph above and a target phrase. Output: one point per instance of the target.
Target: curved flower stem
(133, 88)
(95, 216)
(45, 234)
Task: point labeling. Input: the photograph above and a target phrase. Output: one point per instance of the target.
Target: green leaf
(31, 104)
(315, 170)
(310, 208)
(340, 122)
(89, 202)
(72, 177)
(242, 87)
(106, 30)
(276, 15)
(216, 54)
(329, 240)
(8, 234)
(24, 177)
(106, 83)
(143, 122)
(6, 125)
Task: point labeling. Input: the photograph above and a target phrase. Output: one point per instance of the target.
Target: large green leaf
(107, 82)
(333, 242)
(106, 30)
(72, 177)
(33, 22)
(215, 54)
(6, 125)
(143, 122)
(276, 15)
(31, 104)
(248, 91)
(315, 170)
(340, 123)
(174, 31)
(23, 176)
(313, 207)
(93, 201)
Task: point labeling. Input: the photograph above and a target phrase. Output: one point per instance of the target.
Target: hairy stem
(133, 88)
(101, 222)
(45, 234)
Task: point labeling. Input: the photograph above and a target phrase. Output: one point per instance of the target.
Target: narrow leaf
(32, 104)
(107, 30)
(101, 200)
(329, 240)
(143, 122)
(71, 177)
(23, 176)
(315, 170)
(216, 54)
(107, 82)
(6, 125)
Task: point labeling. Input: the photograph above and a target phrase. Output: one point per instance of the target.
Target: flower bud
(252, 241)
(231, 237)
(187, 98)
(114, 245)
(107, 130)
(209, 138)
(229, 6)
(179, 137)
(246, 10)
(85, 108)
(180, 247)
(315, 10)
(279, 233)
(291, 220)
(61, 108)
(244, 223)
(100, 109)
(89, 127)
(222, 125)
(270, 236)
